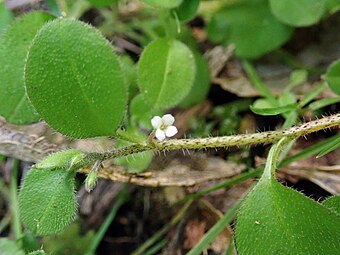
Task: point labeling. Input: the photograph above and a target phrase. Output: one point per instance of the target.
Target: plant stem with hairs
(217, 142)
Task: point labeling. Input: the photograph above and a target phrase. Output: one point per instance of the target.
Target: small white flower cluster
(163, 126)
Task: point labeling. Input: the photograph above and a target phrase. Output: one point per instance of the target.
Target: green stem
(215, 142)
(16, 226)
(273, 157)
(122, 197)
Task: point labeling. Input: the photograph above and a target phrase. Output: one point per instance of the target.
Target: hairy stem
(223, 141)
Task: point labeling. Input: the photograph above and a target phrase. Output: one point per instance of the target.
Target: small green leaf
(278, 220)
(333, 77)
(166, 73)
(201, 85)
(47, 201)
(297, 77)
(6, 17)
(29, 241)
(74, 80)
(298, 13)
(63, 159)
(333, 203)
(164, 3)
(263, 107)
(250, 26)
(274, 110)
(14, 44)
(187, 10)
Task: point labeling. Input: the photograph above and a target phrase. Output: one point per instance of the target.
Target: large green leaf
(250, 26)
(74, 80)
(333, 77)
(14, 44)
(47, 200)
(278, 220)
(298, 13)
(166, 72)
(164, 3)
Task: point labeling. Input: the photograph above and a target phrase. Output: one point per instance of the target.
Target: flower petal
(171, 131)
(156, 122)
(168, 120)
(160, 135)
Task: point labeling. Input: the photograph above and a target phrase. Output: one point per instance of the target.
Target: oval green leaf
(333, 77)
(298, 13)
(259, 108)
(63, 159)
(251, 27)
(14, 45)
(47, 200)
(164, 3)
(166, 72)
(74, 80)
(275, 219)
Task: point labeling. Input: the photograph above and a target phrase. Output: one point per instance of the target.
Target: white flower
(163, 126)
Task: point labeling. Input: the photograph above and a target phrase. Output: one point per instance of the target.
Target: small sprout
(91, 178)
(163, 126)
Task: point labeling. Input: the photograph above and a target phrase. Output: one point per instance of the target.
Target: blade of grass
(154, 249)
(323, 103)
(309, 151)
(331, 146)
(141, 249)
(16, 226)
(215, 230)
(257, 82)
(231, 247)
(121, 199)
